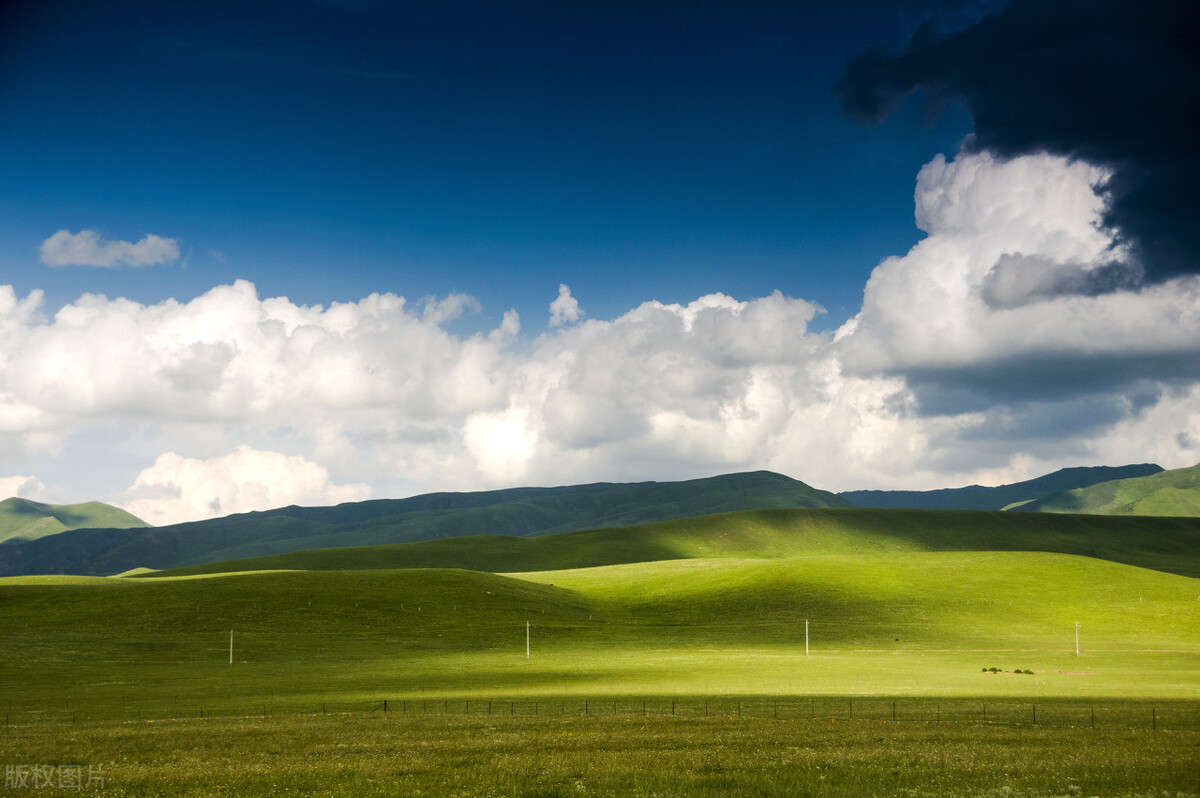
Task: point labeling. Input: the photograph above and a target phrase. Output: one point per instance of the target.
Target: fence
(1176, 716)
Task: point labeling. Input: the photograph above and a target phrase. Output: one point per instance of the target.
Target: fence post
(672, 710)
(385, 706)
(851, 708)
(893, 710)
(1035, 714)
(1153, 718)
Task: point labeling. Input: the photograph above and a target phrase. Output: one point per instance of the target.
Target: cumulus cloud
(1015, 293)
(177, 489)
(565, 308)
(87, 248)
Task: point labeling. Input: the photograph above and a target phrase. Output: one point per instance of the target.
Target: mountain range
(978, 497)
(95, 539)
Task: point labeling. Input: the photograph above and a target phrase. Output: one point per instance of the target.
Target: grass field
(606, 755)
(133, 674)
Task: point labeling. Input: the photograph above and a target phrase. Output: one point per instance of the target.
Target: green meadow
(925, 671)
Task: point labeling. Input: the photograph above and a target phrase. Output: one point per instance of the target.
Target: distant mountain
(1170, 493)
(23, 520)
(520, 512)
(977, 497)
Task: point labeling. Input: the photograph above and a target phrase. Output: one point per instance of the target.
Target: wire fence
(1157, 716)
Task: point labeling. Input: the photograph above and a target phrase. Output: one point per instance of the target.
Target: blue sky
(328, 150)
(291, 158)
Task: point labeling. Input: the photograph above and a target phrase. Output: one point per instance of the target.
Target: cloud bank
(1016, 338)
(87, 248)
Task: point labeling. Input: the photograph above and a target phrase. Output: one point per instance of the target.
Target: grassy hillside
(1169, 493)
(978, 497)
(22, 519)
(520, 512)
(1166, 544)
(912, 622)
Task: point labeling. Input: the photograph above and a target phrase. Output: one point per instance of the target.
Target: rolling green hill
(689, 627)
(520, 512)
(1165, 544)
(978, 497)
(22, 519)
(1169, 493)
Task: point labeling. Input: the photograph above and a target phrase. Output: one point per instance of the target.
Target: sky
(268, 252)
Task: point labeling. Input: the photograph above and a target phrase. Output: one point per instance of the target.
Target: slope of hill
(23, 520)
(978, 497)
(520, 512)
(1168, 493)
(700, 626)
(1164, 544)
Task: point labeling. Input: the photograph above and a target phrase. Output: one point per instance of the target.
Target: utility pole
(806, 637)
(527, 640)
(1077, 638)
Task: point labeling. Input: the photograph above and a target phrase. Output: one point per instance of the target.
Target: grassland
(133, 674)
(598, 755)
(897, 624)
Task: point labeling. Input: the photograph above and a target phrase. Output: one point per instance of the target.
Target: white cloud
(1016, 270)
(565, 308)
(24, 487)
(1009, 342)
(87, 248)
(177, 489)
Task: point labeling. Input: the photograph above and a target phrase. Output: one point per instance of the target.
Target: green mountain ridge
(520, 512)
(1000, 497)
(26, 520)
(1167, 493)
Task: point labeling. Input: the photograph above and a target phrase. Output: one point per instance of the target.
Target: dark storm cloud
(1113, 82)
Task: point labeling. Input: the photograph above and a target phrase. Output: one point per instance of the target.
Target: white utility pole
(527, 640)
(806, 637)
(231, 647)
(1077, 638)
